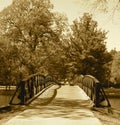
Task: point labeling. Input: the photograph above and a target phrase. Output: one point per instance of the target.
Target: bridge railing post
(22, 92)
(44, 82)
(97, 94)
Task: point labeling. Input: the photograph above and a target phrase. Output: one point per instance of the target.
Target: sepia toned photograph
(59, 62)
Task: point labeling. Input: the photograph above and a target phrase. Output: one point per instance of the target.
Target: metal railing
(29, 88)
(94, 90)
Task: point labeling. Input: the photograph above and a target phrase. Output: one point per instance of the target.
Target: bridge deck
(69, 105)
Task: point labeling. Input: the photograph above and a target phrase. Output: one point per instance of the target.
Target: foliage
(36, 39)
(115, 69)
(9, 64)
(88, 47)
(107, 6)
(35, 34)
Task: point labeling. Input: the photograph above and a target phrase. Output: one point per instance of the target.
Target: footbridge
(47, 102)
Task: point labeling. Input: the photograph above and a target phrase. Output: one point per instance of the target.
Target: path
(71, 106)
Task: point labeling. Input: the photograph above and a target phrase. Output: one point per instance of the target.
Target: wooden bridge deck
(69, 105)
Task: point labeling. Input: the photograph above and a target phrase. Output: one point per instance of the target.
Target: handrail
(94, 90)
(29, 87)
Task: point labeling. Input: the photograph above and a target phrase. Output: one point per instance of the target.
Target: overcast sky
(4, 3)
(76, 8)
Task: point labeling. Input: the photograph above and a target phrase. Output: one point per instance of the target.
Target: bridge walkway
(69, 105)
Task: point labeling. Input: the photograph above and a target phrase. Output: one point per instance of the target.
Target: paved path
(71, 106)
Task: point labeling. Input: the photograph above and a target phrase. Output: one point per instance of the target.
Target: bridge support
(30, 87)
(93, 89)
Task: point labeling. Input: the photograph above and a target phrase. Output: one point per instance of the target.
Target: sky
(4, 3)
(75, 8)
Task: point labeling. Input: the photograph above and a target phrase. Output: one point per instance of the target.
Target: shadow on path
(58, 107)
(65, 106)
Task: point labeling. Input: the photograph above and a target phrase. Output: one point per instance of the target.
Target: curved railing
(94, 90)
(30, 87)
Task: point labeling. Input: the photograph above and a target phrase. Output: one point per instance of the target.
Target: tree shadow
(72, 109)
(50, 106)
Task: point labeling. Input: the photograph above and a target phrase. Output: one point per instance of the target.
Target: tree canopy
(36, 39)
(88, 47)
(34, 30)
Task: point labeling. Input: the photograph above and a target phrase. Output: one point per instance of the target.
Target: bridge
(48, 102)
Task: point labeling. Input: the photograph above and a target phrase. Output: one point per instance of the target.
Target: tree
(109, 9)
(9, 63)
(104, 5)
(88, 47)
(27, 24)
(34, 30)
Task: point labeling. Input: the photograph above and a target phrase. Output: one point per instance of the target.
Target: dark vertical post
(44, 81)
(40, 80)
(32, 86)
(22, 92)
(37, 83)
(91, 91)
(97, 94)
